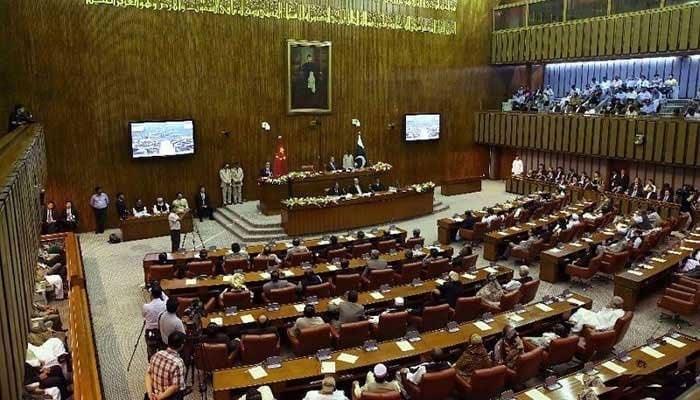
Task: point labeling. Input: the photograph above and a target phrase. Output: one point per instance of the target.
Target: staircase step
(242, 224)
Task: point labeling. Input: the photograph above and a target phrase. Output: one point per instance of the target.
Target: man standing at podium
(225, 177)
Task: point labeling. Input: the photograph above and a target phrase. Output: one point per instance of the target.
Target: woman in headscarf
(473, 357)
(492, 292)
(509, 347)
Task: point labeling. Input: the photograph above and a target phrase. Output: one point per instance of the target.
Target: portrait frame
(309, 77)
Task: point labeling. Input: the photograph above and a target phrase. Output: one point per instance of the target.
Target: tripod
(138, 339)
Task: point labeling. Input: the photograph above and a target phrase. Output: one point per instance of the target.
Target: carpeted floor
(115, 287)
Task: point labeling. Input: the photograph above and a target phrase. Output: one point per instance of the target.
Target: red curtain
(279, 166)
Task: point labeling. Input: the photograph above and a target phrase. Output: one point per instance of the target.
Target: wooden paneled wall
(686, 69)
(667, 141)
(674, 176)
(658, 31)
(85, 71)
(22, 173)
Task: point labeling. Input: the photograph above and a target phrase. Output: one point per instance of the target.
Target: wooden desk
(153, 226)
(625, 204)
(317, 245)
(630, 285)
(493, 240)
(271, 194)
(228, 380)
(452, 187)
(257, 278)
(86, 378)
(552, 261)
(290, 311)
(357, 212)
(571, 385)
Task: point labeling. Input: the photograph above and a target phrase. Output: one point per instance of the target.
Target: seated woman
(509, 347)
(473, 357)
(492, 292)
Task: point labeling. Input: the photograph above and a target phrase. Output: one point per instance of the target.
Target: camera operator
(165, 378)
(151, 313)
(169, 322)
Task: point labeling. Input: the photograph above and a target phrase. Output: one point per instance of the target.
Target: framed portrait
(308, 77)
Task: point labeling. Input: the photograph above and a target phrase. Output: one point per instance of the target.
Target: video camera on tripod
(195, 312)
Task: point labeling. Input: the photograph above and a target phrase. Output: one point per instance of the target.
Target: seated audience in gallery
(49, 219)
(161, 207)
(69, 218)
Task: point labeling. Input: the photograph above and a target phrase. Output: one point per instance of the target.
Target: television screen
(421, 127)
(161, 138)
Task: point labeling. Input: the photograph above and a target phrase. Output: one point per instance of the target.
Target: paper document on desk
(618, 369)
(376, 295)
(217, 321)
(543, 307)
(404, 345)
(347, 358)
(458, 219)
(515, 317)
(257, 372)
(652, 352)
(577, 244)
(646, 266)
(247, 319)
(265, 275)
(503, 233)
(336, 301)
(685, 248)
(323, 242)
(659, 260)
(678, 253)
(328, 367)
(692, 241)
(468, 276)
(635, 273)
(288, 274)
(190, 282)
(394, 232)
(535, 394)
(491, 270)
(482, 326)
(575, 302)
(439, 282)
(299, 307)
(531, 224)
(673, 342)
(331, 267)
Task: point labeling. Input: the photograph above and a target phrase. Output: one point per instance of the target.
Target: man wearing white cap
(327, 392)
(377, 381)
(602, 320)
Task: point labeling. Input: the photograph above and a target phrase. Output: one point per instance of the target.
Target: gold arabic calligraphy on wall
(429, 16)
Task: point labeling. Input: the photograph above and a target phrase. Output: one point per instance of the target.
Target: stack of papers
(657, 259)
(404, 345)
(633, 272)
(612, 366)
(468, 276)
(257, 372)
(347, 358)
(265, 275)
(535, 394)
(490, 270)
(227, 278)
(331, 267)
(218, 321)
(482, 326)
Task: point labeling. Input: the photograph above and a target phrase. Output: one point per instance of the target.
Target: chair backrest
(488, 382)
(200, 267)
(599, 344)
(261, 263)
(230, 266)
(437, 268)
(256, 348)
(528, 291)
(509, 300)
(353, 334)
(298, 258)
(528, 364)
(562, 350)
(567, 235)
(392, 325)
(160, 272)
(615, 262)
(240, 299)
(438, 385)
(336, 253)
(320, 290)
(467, 309)
(469, 261)
(379, 277)
(344, 283)
(313, 339)
(380, 396)
(183, 303)
(480, 229)
(412, 242)
(283, 296)
(385, 245)
(409, 272)
(594, 264)
(359, 249)
(622, 325)
(435, 317)
(212, 356)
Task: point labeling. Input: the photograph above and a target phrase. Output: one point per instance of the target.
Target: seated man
(374, 263)
(524, 274)
(180, 204)
(523, 245)
(433, 255)
(295, 249)
(267, 254)
(437, 361)
(49, 220)
(335, 190)
(601, 320)
(355, 189)
(452, 289)
(236, 253)
(161, 207)
(460, 260)
(262, 327)
(557, 331)
(492, 292)
(327, 392)
(415, 234)
(309, 320)
(275, 282)
(377, 381)
(489, 217)
(469, 220)
(376, 186)
(348, 310)
(69, 218)
(310, 278)
(140, 210)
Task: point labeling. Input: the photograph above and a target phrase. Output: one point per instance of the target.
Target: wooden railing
(22, 174)
(670, 141)
(86, 377)
(656, 31)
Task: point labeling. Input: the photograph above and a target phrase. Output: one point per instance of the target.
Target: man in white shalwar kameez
(602, 320)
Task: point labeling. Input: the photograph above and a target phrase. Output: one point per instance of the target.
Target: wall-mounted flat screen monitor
(161, 138)
(421, 127)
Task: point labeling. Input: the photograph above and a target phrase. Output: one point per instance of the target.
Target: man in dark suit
(452, 289)
(374, 263)
(69, 218)
(336, 190)
(624, 180)
(267, 171)
(615, 182)
(348, 311)
(469, 220)
(355, 188)
(122, 208)
(203, 206)
(49, 218)
(330, 167)
(377, 186)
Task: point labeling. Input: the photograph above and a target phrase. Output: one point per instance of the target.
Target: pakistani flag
(360, 153)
